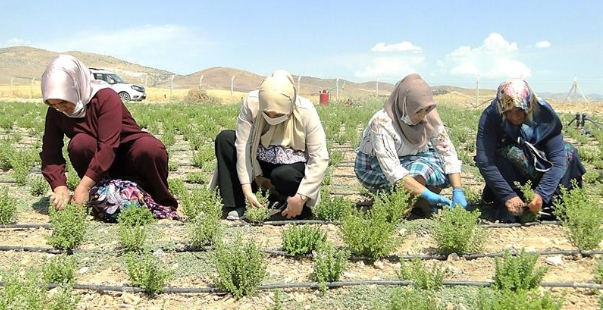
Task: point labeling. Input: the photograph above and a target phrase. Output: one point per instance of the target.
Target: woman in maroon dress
(105, 141)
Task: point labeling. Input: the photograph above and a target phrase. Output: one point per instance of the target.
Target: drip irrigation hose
(311, 285)
(276, 252)
(282, 223)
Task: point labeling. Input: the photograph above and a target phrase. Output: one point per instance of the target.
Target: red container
(324, 98)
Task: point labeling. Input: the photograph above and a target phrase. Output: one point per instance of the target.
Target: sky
(453, 43)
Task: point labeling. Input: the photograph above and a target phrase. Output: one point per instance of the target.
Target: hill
(25, 63)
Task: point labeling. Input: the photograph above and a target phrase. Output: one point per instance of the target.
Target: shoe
(236, 214)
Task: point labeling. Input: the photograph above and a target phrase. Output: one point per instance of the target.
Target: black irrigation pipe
(274, 252)
(310, 285)
(285, 222)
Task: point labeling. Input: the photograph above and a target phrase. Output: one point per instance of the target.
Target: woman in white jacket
(279, 144)
(405, 144)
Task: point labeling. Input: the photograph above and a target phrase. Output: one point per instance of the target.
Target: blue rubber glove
(458, 198)
(435, 199)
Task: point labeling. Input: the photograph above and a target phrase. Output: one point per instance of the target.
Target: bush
(332, 208)
(411, 299)
(145, 272)
(304, 239)
(59, 269)
(63, 299)
(258, 215)
(38, 186)
(599, 273)
(368, 234)
(206, 228)
(517, 300)
(200, 96)
(582, 215)
(178, 188)
(28, 293)
(329, 263)
(196, 177)
(68, 227)
(21, 162)
(396, 204)
(240, 268)
(423, 279)
(528, 193)
(199, 199)
(72, 178)
(518, 273)
(8, 208)
(456, 231)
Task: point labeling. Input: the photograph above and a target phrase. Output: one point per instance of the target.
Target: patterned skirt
(518, 158)
(429, 165)
(109, 197)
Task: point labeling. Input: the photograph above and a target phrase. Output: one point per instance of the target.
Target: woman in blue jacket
(519, 139)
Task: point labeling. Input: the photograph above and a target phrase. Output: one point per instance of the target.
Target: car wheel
(124, 96)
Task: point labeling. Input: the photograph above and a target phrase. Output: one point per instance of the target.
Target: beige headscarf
(277, 94)
(411, 95)
(67, 78)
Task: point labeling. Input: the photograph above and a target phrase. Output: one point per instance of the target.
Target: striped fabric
(429, 165)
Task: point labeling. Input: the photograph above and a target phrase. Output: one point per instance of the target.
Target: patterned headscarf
(515, 94)
(411, 95)
(67, 78)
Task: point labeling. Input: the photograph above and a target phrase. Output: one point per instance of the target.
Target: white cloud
(495, 58)
(390, 67)
(16, 42)
(543, 44)
(403, 46)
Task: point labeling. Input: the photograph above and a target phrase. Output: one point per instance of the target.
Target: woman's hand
(60, 197)
(515, 205)
(536, 204)
(82, 191)
(295, 205)
(250, 197)
(81, 194)
(458, 198)
(435, 199)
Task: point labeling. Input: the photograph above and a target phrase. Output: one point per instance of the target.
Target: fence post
(232, 85)
(337, 90)
(477, 91)
(31, 88)
(171, 85)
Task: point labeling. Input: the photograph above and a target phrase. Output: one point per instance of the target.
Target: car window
(116, 78)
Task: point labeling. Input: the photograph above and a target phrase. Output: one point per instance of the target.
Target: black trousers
(285, 178)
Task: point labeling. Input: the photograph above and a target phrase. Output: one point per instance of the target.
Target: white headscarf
(67, 78)
(277, 94)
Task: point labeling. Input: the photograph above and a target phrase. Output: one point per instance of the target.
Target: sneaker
(236, 214)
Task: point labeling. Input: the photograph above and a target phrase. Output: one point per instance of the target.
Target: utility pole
(575, 89)
(201, 82)
(377, 87)
(298, 83)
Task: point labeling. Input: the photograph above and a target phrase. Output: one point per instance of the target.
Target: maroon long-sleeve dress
(107, 142)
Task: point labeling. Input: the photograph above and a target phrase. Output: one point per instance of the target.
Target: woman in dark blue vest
(519, 139)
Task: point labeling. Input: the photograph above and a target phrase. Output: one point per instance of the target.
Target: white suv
(126, 91)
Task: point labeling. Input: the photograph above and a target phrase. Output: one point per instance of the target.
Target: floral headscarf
(515, 94)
